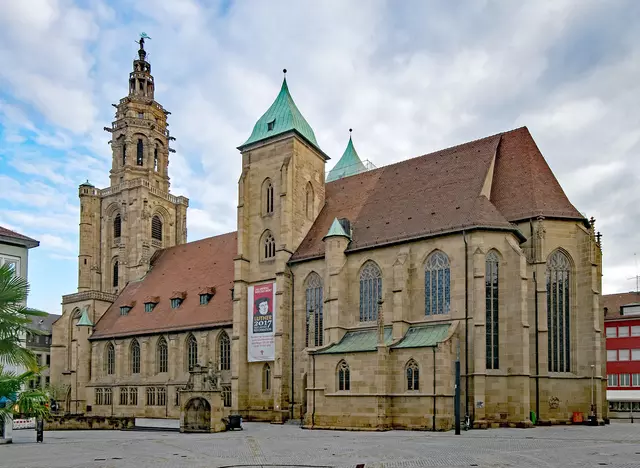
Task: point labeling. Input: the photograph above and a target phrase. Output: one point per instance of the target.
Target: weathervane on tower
(142, 53)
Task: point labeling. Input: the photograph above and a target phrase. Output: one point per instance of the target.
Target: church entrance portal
(197, 417)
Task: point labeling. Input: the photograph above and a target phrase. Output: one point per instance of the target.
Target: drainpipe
(434, 388)
(313, 412)
(466, 325)
(293, 315)
(535, 285)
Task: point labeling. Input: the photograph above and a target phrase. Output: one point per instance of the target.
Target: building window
(175, 302)
(226, 395)
(124, 310)
(267, 190)
(612, 380)
(133, 396)
(625, 380)
(148, 306)
(115, 274)
(224, 346)
(156, 228)
(162, 355)
(110, 363)
(635, 330)
(309, 201)
(140, 115)
(117, 227)
(623, 355)
(370, 291)
(140, 153)
(437, 284)
(107, 396)
(413, 375)
(162, 396)
(344, 376)
(271, 125)
(192, 352)
(491, 301)
(124, 395)
(612, 355)
(99, 396)
(151, 396)
(205, 298)
(314, 315)
(266, 378)
(612, 332)
(135, 357)
(124, 154)
(635, 380)
(268, 245)
(49, 358)
(635, 354)
(558, 310)
(623, 332)
(155, 159)
(47, 380)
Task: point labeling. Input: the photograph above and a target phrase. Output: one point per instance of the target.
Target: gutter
(466, 324)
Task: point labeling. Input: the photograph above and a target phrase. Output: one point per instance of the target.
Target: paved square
(617, 445)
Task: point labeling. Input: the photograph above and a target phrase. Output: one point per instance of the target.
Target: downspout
(535, 285)
(466, 325)
(434, 388)
(313, 412)
(293, 315)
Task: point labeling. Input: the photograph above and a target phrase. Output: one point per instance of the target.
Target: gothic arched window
(370, 291)
(413, 375)
(266, 378)
(309, 201)
(344, 376)
(437, 279)
(267, 193)
(162, 355)
(156, 228)
(135, 357)
(155, 159)
(140, 153)
(192, 352)
(491, 301)
(110, 361)
(124, 154)
(117, 226)
(115, 274)
(558, 312)
(314, 316)
(224, 348)
(268, 246)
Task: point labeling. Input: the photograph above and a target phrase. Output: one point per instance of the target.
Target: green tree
(15, 321)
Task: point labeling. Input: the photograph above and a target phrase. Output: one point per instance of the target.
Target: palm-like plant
(14, 324)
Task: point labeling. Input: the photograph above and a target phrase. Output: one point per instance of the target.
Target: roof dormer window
(271, 125)
(124, 310)
(205, 298)
(148, 306)
(176, 302)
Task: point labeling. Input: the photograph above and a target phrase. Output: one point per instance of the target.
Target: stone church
(344, 299)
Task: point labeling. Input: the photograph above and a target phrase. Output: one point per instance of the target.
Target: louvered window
(156, 228)
(117, 226)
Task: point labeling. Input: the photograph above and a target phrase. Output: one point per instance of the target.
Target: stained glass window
(314, 318)
(344, 376)
(135, 357)
(162, 355)
(491, 306)
(437, 279)
(558, 310)
(370, 291)
(413, 375)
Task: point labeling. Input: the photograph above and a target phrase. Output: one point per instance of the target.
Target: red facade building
(622, 331)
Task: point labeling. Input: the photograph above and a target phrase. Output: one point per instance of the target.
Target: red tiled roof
(4, 232)
(187, 268)
(441, 192)
(613, 303)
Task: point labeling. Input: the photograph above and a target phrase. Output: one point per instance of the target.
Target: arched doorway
(197, 415)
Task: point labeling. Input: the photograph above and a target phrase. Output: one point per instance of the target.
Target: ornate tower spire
(140, 79)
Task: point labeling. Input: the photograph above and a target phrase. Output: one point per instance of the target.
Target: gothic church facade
(343, 299)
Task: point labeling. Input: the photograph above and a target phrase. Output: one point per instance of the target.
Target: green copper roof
(283, 116)
(348, 165)
(420, 336)
(359, 341)
(336, 229)
(84, 320)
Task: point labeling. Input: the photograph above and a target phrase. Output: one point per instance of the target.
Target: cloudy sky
(409, 76)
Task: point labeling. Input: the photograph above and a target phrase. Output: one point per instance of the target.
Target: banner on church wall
(261, 326)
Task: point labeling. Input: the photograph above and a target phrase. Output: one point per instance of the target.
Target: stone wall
(84, 422)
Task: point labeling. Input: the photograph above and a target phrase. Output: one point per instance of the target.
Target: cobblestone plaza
(260, 444)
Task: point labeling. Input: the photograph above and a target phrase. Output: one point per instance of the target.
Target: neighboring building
(40, 344)
(14, 253)
(622, 324)
(341, 303)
